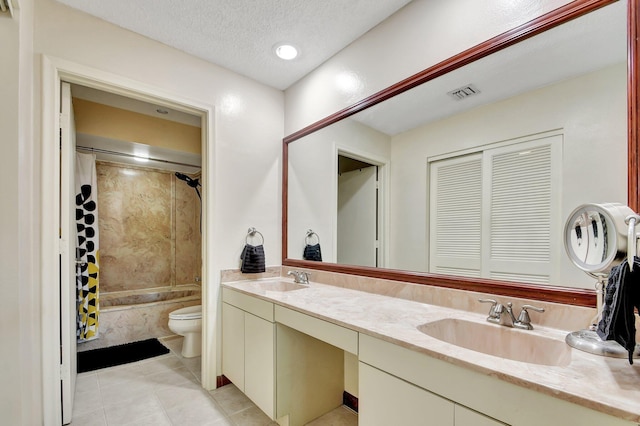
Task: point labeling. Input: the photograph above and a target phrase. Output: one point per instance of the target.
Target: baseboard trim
(222, 381)
(350, 401)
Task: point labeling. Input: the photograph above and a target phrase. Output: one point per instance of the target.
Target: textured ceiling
(240, 34)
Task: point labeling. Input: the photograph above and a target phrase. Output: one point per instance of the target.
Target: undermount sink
(499, 341)
(279, 285)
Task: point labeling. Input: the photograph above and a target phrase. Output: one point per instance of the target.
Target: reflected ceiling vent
(464, 92)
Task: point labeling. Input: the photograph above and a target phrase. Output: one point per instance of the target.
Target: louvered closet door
(455, 216)
(521, 218)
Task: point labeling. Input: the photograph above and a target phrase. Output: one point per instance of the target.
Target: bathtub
(131, 316)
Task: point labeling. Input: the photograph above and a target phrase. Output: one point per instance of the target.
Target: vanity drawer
(253, 305)
(333, 334)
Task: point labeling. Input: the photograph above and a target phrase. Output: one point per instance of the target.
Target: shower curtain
(87, 253)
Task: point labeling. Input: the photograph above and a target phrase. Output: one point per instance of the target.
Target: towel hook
(252, 233)
(632, 248)
(310, 235)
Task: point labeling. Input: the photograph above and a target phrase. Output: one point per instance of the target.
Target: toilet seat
(190, 312)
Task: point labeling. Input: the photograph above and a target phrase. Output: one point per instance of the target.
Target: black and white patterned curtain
(87, 272)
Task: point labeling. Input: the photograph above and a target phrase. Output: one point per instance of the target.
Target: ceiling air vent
(461, 92)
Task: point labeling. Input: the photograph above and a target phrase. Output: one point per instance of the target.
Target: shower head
(194, 183)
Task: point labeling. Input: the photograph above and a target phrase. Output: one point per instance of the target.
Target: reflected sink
(278, 285)
(499, 341)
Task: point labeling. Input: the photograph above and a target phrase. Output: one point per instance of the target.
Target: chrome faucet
(524, 322)
(498, 310)
(300, 277)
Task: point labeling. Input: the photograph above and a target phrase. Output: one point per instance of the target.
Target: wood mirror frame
(572, 296)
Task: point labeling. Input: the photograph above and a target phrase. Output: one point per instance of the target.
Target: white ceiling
(240, 34)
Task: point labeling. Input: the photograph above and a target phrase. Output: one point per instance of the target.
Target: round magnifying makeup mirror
(595, 236)
(596, 240)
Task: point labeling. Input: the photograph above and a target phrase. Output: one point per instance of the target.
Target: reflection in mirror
(589, 238)
(479, 184)
(596, 236)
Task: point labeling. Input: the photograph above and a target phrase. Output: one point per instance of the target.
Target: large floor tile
(196, 413)
(164, 391)
(252, 417)
(231, 399)
(122, 394)
(135, 409)
(94, 418)
(173, 396)
(170, 377)
(156, 419)
(341, 416)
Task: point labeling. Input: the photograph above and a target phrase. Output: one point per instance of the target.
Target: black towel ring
(310, 235)
(252, 233)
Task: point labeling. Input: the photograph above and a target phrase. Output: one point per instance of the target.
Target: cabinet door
(259, 358)
(233, 344)
(386, 400)
(467, 417)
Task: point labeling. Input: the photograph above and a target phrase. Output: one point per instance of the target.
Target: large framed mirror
(472, 193)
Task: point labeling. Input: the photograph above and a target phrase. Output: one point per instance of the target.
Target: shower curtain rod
(122, 154)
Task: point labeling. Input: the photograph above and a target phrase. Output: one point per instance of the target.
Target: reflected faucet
(299, 277)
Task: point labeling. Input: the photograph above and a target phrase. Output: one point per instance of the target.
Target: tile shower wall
(149, 229)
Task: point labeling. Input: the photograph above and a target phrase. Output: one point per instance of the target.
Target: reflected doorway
(358, 212)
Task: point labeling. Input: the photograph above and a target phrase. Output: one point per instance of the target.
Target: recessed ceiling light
(286, 52)
(162, 111)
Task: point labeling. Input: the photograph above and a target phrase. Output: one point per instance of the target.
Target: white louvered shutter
(496, 214)
(456, 216)
(521, 181)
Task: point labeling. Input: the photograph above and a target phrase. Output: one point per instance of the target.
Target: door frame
(54, 70)
(383, 191)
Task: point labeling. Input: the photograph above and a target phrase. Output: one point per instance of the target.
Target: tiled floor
(166, 391)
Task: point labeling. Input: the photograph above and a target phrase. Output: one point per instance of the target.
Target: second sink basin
(499, 341)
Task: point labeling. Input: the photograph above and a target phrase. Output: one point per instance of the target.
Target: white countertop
(609, 385)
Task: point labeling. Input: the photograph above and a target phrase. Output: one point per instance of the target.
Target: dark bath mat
(118, 355)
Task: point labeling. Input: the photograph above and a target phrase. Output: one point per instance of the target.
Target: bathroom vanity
(283, 345)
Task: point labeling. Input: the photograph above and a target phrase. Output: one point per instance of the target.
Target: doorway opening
(358, 212)
(58, 209)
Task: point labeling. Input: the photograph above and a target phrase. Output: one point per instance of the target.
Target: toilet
(187, 322)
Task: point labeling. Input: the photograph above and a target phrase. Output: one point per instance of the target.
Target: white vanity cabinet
(248, 347)
(389, 374)
(291, 364)
(292, 376)
(387, 400)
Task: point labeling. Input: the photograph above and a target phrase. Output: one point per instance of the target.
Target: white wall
(420, 35)
(248, 121)
(9, 256)
(313, 180)
(590, 110)
(248, 134)
(20, 400)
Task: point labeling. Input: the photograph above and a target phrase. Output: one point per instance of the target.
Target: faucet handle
(533, 308)
(493, 311)
(524, 321)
